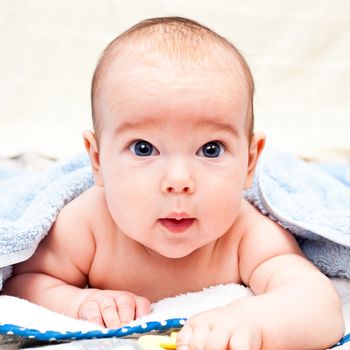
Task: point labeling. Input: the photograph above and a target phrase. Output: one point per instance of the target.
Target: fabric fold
(312, 200)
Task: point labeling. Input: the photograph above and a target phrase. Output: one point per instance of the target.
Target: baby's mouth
(177, 225)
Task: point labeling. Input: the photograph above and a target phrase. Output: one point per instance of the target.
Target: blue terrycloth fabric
(312, 200)
(30, 202)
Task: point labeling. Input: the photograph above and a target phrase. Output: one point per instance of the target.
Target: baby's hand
(112, 309)
(222, 328)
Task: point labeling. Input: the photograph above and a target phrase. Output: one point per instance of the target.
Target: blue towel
(312, 200)
(30, 202)
(309, 199)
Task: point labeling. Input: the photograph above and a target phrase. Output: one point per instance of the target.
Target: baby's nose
(178, 188)
(178, 179)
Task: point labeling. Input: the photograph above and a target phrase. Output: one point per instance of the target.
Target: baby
(173, 149)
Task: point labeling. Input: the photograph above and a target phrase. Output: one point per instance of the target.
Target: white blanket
(20, 317)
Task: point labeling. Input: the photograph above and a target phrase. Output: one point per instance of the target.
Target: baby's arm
(294, 307)
(57, 274)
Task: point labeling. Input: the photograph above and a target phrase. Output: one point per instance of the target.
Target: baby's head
(185, 44)
(172, 106)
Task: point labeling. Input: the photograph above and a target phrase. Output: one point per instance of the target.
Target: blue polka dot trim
(174, 323)
(343, 340)
(10, 329)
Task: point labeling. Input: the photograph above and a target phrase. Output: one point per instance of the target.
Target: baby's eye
(143, 148)
(212, 149)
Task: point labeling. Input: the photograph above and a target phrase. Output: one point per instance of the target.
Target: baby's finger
(90, 311)
(109, 312)
(246, 339)
(199, 337)
(240, 341)
(143, 306)
(126, 307)
(183, 338)
(218, 339)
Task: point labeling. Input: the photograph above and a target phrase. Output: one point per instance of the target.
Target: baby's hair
(178, 37)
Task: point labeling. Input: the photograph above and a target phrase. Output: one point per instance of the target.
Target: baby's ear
(92, 149)
(257, 144)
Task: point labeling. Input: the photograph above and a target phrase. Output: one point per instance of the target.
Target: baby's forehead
(174, 95)
(184, 50)
(148, 75)
(182, 46)
(151, 74)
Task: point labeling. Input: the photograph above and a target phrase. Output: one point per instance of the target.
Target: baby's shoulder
(79, 218)
(261, 240)
(258, 229)
(67, 251)
(91, 211)
(250, 217)
(86, 206)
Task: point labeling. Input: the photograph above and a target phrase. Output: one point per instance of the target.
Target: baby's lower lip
(177, 226)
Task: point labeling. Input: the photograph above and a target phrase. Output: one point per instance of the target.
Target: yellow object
(158, 342)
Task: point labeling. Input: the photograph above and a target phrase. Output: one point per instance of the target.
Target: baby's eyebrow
(217, 125)
(136, 125)
(150, 123)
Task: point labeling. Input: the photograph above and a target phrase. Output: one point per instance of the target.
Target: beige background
(299, 52)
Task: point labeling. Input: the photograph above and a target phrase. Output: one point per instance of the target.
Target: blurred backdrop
(299, 53)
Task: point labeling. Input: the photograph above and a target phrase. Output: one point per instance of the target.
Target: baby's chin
(171, 253)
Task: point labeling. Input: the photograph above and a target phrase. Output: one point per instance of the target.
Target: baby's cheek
(222, 205)
(128, 203)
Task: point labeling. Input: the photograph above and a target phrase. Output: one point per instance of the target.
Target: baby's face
(173, 152)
